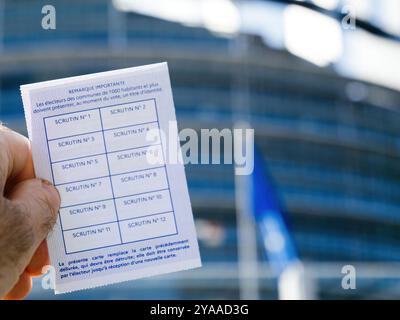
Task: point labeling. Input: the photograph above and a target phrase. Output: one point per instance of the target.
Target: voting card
(105, 140)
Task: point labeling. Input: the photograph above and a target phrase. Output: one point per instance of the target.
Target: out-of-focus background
(318, 80)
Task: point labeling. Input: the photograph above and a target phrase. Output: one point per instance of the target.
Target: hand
(28, 211)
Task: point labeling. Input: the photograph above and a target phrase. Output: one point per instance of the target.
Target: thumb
(40, 201)
(28, 213)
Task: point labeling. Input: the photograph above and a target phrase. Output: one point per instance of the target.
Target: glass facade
(334, 158)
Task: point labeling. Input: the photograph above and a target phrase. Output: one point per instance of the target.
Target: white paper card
(103, 140)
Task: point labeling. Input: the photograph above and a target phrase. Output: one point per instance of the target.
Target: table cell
(129, 114)
(92, 237)
(144, 204)
(139, 182)
(80, 169)
(78, 122)
(88, 214)
(132, 137)
(85, 191)
(76, 146)
(148, 227)
(135, 159)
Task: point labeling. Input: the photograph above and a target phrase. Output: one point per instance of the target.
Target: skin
(28, 211)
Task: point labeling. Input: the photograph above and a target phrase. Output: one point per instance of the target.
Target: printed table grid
(117, 220)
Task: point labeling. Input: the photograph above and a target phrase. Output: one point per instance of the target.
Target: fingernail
(54, 195)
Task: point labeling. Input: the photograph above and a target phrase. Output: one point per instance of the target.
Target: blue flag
(277, 239)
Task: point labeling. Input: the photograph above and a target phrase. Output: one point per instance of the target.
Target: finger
(27, 216)
(31, 212)
(39, 260)
(15, 157)
(41, 201)
(21, 289)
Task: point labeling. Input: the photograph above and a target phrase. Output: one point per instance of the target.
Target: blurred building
(332, 144)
